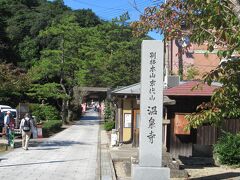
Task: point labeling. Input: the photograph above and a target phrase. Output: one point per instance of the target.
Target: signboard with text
(127, 120)
(180, 123)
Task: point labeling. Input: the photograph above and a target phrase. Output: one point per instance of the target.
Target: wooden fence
(200, 139)
(208, 135)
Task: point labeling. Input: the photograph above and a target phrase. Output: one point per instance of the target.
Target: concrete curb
(112, 167)
(114, 175)
(98, 170)
(107, 167)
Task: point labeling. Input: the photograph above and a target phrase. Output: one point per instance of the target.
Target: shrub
(109, 125)
(44, 112)
(108, 111)
(51, 127)
(227, 149)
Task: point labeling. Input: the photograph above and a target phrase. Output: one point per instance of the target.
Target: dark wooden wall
(200, 139)
(231, 125)
(181, 144)
(208, 135)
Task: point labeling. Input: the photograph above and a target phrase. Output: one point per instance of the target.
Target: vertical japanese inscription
(152, 111)
(152, 76)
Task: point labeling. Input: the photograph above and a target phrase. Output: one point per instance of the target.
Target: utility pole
(166, 63)
(166, 60)
(180, 62)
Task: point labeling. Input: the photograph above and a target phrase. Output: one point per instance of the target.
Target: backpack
(26, 125)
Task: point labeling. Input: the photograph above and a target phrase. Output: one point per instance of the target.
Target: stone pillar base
(150, 173)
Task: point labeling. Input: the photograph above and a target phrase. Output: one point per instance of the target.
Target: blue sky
(109, 9)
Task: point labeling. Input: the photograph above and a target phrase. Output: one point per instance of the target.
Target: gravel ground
(214, 173)
(195, 173)
(119, 169)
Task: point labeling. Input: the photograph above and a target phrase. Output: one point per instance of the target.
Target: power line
(108, 14)
(129, 8)
(95, 5)
(115, 11)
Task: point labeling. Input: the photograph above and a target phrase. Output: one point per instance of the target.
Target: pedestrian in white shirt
(26, 127)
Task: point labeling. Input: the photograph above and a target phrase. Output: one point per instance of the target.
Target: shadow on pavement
(219, 176)
(50, 144)
(3, 159)
(195, 166)
(61, 143)
(44, 149)
(196, 162)
(88, 122)
(89, 118)
(44, 162)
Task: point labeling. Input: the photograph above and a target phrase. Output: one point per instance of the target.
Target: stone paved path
(69, 155)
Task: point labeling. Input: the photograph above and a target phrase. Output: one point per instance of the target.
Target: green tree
(59, 69)
(28, 51)
(14, 84)
(21, 22)
(204, 21)
(213, 21)
(6, 52)
(113, 54)
(225, 102)
(61, 48)
(87, 18)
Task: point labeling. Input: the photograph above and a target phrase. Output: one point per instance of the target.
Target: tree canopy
(57, 48)
(211, 22)
(13, 83)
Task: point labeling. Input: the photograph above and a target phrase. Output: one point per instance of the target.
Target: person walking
(6, 126)
(26, 127)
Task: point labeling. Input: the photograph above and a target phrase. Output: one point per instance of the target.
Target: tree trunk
(64, 102)
(63, 111)
(69, 111)
(69, 106)
(70, 115)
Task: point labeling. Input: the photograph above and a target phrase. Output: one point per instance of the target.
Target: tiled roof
(131, 89)
(187, 89)
(134, 89)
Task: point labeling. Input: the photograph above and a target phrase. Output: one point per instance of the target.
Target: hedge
(44, 112)
(109, 125)
(227, 149)
(51, 127)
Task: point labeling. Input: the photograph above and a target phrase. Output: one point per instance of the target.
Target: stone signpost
(151, 107)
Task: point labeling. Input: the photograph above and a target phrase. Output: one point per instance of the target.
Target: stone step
(196, 161)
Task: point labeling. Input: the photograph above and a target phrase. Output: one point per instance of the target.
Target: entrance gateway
(151, 114)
